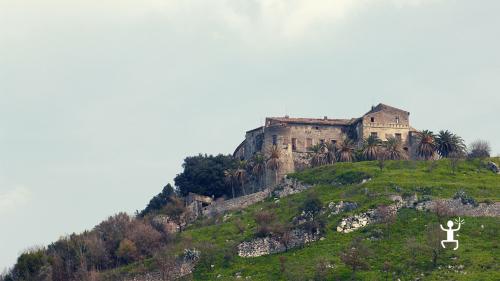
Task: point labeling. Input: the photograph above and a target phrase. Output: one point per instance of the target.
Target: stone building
(294, 136)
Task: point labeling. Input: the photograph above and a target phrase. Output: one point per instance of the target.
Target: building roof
(256, 129)
(381, 107)
(312, 121)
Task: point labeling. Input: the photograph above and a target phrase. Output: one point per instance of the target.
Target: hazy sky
(100, 100)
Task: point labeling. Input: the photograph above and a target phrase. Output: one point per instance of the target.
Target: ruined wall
(219, 207)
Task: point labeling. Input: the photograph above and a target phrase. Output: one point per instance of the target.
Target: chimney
(325, 117)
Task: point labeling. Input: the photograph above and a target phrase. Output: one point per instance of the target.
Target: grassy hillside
(391, 245)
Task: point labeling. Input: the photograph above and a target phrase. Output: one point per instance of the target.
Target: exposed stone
(457, 208)
(354, 222)
(337, 208)
(493, 167)
(290, 186)
(271, 245)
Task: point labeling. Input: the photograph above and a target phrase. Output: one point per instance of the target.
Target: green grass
(479, 251)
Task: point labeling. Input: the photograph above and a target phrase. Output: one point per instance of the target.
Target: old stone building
(295, 136)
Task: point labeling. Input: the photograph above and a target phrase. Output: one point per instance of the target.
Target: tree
(273, 161)
(345, 152)
(371, 148)
(29, 265)
(312, 204)
(127, 251)
(319, 157)
(282, 232)
(354, 256)
(159, 201)
(229, 179)
(241, 175)
(166, 263)
(265, 221)
(426, 147)
(204, 174)
(393, 150)
(386, 268)
(386, 215)
(448, 143)
(479, 149)
(175, 210)
(331, 153)
(433, 243)
(258, 167)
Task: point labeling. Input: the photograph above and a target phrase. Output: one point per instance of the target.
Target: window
(334, 142)
(398, 137)
(322, 141)
(374, 134)
(285, 141)
(397, 119)
(275, 139)
(309, 143)
(372, 119)
(294, 144)
(317, 128)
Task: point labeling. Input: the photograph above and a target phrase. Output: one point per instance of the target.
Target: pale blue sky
(100, 100)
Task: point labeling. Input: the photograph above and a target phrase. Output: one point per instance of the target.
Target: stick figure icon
(450, 233)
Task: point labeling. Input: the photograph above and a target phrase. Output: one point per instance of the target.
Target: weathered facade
(294, 136)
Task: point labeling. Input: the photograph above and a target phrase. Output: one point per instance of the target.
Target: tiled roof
(312, 121)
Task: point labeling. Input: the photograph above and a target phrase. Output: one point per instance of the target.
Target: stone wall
(183, 268)
(219, 207)
(271, 245)
(456, 208)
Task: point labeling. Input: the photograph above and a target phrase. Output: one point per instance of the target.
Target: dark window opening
(372, 119)
(397, 119)
(398, 137)
(322, 141)
(294, 144)
(317, 128)
(275, 139)
(374, 134)
(334, 142)
(405, 148)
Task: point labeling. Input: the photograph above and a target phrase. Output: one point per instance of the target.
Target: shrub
(465, 198)
(127, 251)
(264, 220)
(479, 149)
(312, 204)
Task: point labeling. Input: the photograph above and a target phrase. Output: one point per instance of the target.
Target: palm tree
(273, 162)
(318, 155)
(229, 178)
(345, 152)
(426, 145)
(371, 148)
(393, 150)
(331, 150)
(258, 167)
(448, 143)
(240, 175)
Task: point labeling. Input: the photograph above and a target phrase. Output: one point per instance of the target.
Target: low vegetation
(402, 247)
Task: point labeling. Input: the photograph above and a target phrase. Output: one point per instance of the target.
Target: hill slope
(402, 249)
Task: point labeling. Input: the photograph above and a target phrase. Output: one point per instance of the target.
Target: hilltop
(363, 220)
(391, 247)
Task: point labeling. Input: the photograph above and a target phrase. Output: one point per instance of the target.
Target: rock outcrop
(493, 167)
(271, 245)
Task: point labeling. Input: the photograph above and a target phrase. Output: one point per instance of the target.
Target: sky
(101, 100)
